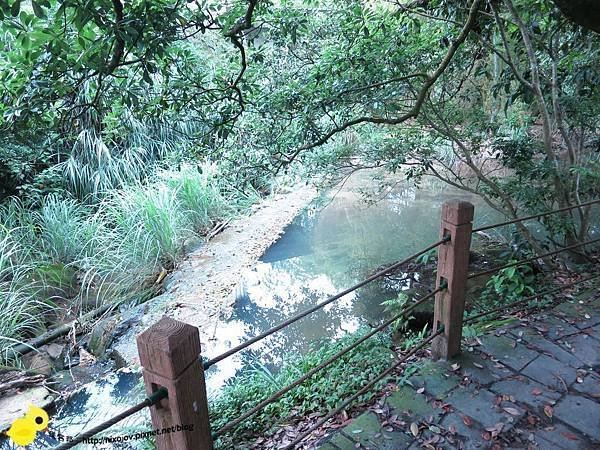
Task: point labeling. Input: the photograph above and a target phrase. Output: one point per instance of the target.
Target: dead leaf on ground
(570, 436)
(414, 429)
(467, 421)
(511, 411)
(496, 429)
(536, 391)
(549, 411)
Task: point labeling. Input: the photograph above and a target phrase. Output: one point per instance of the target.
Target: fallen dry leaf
(570, 436)
(536, 391)
(479, 366)
(414, 429)
(512, 411)
(452, 429)
(549, 411)
(467, 421)
(486, 435)
(420, 390)
(496, 429)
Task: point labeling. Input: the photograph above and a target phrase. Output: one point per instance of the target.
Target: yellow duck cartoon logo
(24, 430)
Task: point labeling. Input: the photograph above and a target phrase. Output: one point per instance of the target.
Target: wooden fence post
(169, 354)
(453, 266)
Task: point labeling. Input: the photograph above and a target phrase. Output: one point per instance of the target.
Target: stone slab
(553, 327)
(508, 351)
(550, 372)
(366, 432)
(580, 413)
(408, 403)
(479, 405)
(469, 436)
(521, 389)
(590, 386)
(435, 378)
(542, 345)
(577, 314)
(560, 437)
(338, 442)
(584, 347)
(482, 371)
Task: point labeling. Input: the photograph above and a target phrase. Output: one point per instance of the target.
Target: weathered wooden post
(169, 353)
(452, 269)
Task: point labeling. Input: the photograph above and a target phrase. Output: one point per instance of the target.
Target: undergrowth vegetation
(323, 391)
(74, 256)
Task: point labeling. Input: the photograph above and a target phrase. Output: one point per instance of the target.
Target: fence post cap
(457, 212)
(168, 347)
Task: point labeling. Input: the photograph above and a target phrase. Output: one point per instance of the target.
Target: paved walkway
(532, 384)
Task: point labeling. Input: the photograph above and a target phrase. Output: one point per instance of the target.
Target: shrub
(325, 390)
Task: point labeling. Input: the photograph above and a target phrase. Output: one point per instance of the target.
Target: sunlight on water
(336, 242)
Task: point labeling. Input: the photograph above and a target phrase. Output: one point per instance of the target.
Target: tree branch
(422, 94)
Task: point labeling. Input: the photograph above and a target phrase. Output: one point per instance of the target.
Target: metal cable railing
(385, 324)
(363, 390)
(472, 319)
(324, 364)
(535, 258)
(311, 310)
(534, 216)
(163, 393)
(150, 401)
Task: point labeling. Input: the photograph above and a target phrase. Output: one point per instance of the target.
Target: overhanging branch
(421, 96)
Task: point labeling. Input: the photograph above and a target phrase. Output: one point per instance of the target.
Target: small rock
(54, 350)
(38, 362)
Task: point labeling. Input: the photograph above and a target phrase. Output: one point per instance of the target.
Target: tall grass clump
(198, 191)
(125, 152)
(64, 229)
(21, 310)
(80, 255)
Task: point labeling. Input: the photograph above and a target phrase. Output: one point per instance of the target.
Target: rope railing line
(149, 401)
(363, 390)
(534, 216)
(324, 364)
(291, 320)
(530, 307)
(472, 319)
(523, 261)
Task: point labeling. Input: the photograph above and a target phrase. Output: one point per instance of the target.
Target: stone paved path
(532, 384)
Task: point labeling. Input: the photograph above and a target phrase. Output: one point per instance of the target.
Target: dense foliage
(128, 128)
(323, 391)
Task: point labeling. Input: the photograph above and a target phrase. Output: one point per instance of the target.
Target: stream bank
(246, 279)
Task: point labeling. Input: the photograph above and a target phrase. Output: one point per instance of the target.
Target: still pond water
(336, 242)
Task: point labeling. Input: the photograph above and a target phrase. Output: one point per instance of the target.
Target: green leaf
(38, 10)
(16, 7)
